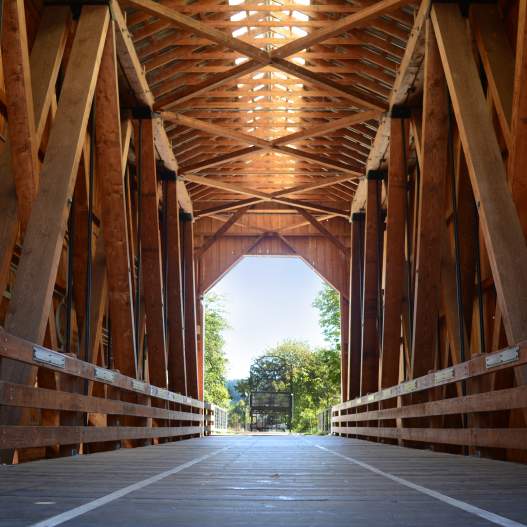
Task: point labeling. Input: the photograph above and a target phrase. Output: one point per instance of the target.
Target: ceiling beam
(213, 129)
(320, 160)
(262, 58)
(357, 98)
(258, 197)
(337, 27)
(220, 160)
(324, 231)
(182, 95)
(133, 71)
(220, 232)
(331, 126)
(406, 78)
(217, 183)
(199, 28)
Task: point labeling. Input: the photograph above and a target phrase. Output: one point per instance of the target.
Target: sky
(267, 299)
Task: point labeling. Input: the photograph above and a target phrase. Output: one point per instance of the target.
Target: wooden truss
(149, 145)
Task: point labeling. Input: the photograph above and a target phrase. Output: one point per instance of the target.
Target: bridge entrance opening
(265, 340)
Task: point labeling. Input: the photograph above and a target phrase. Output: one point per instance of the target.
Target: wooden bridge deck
(262, 481)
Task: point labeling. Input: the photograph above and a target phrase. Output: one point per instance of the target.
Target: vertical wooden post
(46, 56)
(177, 377)
(191, 343)
(151, 261)
(110, 171)
(32, 294)
(517, 150)
(431, 210)
(499, 221)
(200, 335)
(20, 113)
(370, 299)
(355, 311)
(344, 347)
(394, 256)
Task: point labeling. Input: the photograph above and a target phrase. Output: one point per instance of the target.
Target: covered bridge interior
(146, 146)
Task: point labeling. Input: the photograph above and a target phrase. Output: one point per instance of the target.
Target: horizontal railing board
(21, 350)
(40, 436)
(31, 397)
(481, 402)
(476, 437)
(459, 372)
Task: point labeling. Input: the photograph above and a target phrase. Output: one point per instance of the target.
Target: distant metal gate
(271, 411)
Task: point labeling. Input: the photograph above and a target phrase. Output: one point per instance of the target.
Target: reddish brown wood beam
(355, 295)
(37, 270)
(394, 257)
(370, 299)
(151, 260)
(220, 232)
(109, 167)
(189, 287)
(177, 377)
(431, 210)
(19, 102)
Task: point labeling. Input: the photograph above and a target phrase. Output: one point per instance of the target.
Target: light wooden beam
(331, 126)
(337, 27)
(499, 221)
(259, 57)
(19, 101)
(354, 96)
(259, 145)
(221, 159)
(324, 161)
(180, 96)
(278, 196)
(213, 129)
(199, 28)
(37, 270)
(46, 56)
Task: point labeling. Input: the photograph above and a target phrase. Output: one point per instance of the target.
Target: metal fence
(324, 421)
(216, 420)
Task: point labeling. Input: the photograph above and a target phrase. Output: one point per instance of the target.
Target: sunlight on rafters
(275, 90)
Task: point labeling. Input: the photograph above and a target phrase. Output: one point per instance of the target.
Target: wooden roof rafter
(239, 89)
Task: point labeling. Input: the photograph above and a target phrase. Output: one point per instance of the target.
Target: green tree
(313, 376)
(215, 359)
(327, 302)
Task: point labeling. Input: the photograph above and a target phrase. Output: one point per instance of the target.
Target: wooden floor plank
(265, 480)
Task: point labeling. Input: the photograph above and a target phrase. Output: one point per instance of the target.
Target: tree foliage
(327, 302)
(215, 358)
(313, 376)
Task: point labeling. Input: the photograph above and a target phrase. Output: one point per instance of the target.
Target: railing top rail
(21, 350)
(479, 365)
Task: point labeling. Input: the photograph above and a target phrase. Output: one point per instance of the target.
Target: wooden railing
(427, 401)
(107, 406)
